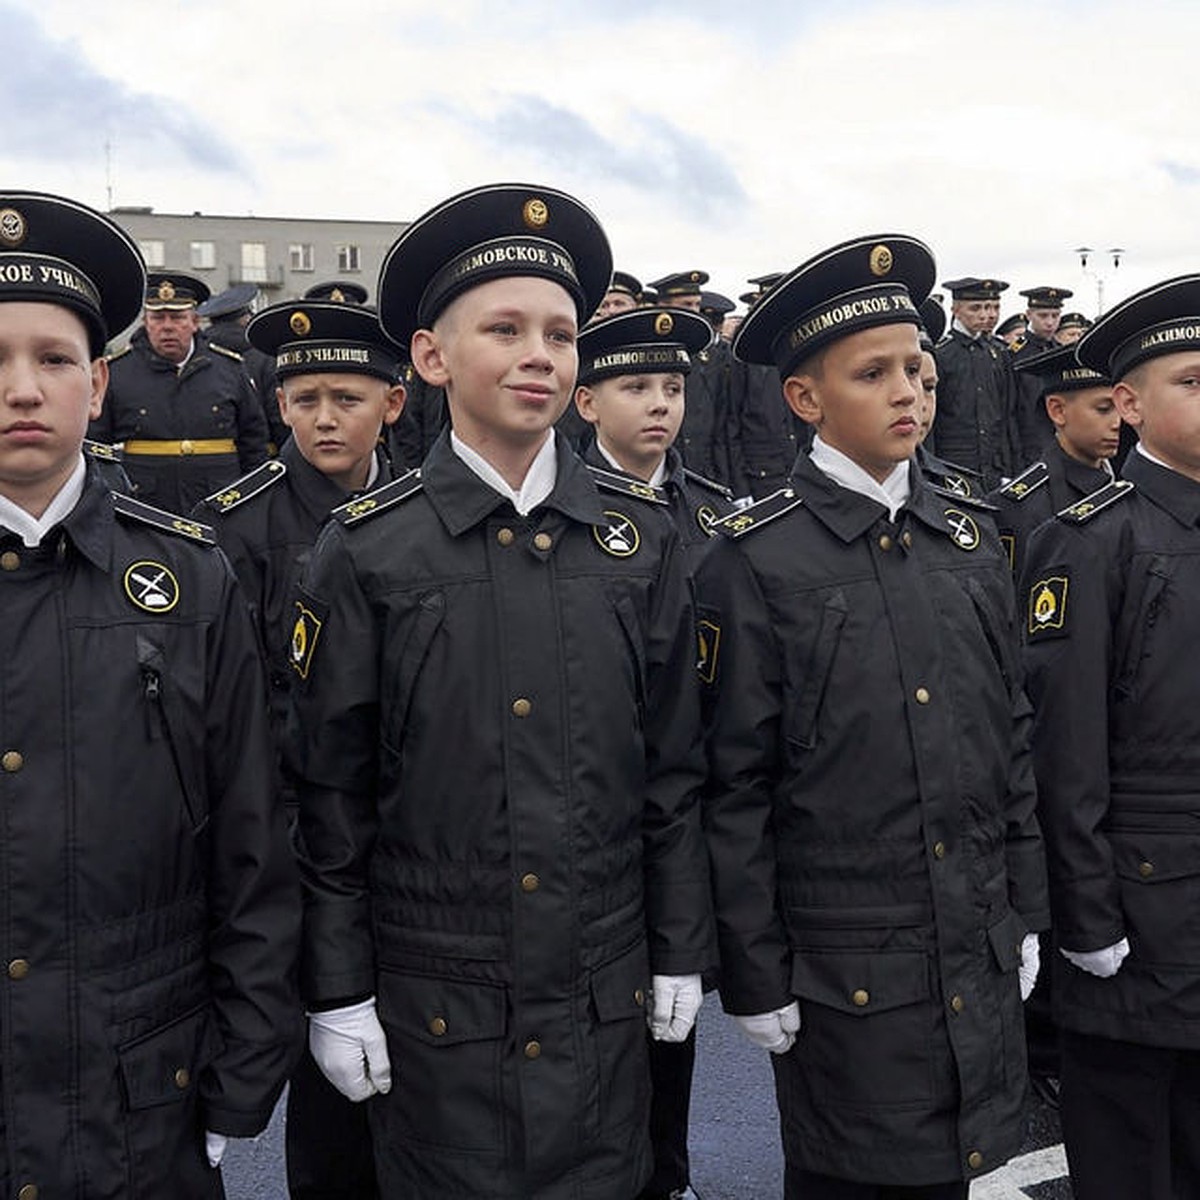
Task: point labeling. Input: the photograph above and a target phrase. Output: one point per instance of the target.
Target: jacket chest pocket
(414, 650)
(807, 686)
(1136, 624)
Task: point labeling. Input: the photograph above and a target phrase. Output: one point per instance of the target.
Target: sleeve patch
(1048, 606)
(708, 636)
(306, 632)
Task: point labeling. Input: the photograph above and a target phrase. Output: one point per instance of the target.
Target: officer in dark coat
(1112, 624)
(498, 747)
(182, 408)
(870, 814)
(976, 424)
(151, 909)
(228, 313)
(338, 291)
(1033, 429)
(338, 376)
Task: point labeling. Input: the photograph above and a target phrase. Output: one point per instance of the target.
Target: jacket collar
(1169, 490)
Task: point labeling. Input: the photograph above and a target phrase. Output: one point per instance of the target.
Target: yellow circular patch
(963, 529)
(619, 536)
(663, 324)
(535, 213)
(300, 324)
(12, 227)
(881, 260)
(706, 517)
(151, 586)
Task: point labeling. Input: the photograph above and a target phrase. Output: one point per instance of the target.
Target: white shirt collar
(32, 529)
(655, 480)
(893, 492)
(539, 480)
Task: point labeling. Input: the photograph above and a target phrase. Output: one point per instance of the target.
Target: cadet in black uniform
(624, 295)
(1033, 431)
(338, 291)
(870, 814)
(498, 749)
(976, 424)
(151, 910)
(1112, 625)
(338, 390)
(632, 369)
(1079, 406)
(182, 408)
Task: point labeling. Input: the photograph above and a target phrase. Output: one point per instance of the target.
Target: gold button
(12, 761)
(939, 849)
(861, 998)
(28, 1192)
(956, 1003)
(639, 997)
(18, 968)
(1146, 869)
(922, 695)
(906, 538)
(505, 536)
(437, 1026)
(10, 560)
(543, 541)
(182, 1078)
(521, 707)
(974, 1160)
(533, 1049)
(885, 542)
(530, 882)
(186, 447)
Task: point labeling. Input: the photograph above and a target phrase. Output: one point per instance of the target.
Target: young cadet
(632, 372)
(1111, 623)
(498, 748)
(870, 813)
(151, 910)
(1087, 429)
(337, 392)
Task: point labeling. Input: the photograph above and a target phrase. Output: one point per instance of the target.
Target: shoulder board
(1089, 506)
(756, 515)
(147, 514)
(1028, 481)
(102, 451)
(119, 354)
(361, 508)
(711, 484)
(217, 348)
(1018, 343)
(610, 481)
(944, 340)
(958, 498)
(249, 486)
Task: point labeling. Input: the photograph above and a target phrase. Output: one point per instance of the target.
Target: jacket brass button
(12, 761)
(530, 882)
(10, 560)
(533, 1049)
(922, 695)
(438, 1026)
(521, 707)
(1146, 869)
(505, 536)
(885, 542)
(956, 1003)
(182, 1078)
(28, 1192)
(939, 849)
(543, 541)
(906, 538)
(974, 1160)
(639, 997)
(186, 447)
(18, 968)
(861, 998)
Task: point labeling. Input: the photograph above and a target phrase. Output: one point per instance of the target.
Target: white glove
(674, 1003)
(349, 1046)
(774, 1031)
(214, 1147)
(1030, 964)
(1104, 964)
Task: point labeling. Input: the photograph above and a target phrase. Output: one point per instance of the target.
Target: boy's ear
(802, 399)
(99, 386)
(428, 359)
(585, 402)
(394, 406)
(1056, 409)
(1129, 404)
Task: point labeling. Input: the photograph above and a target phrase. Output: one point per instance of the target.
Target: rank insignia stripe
(610, 481)
(250, 485)
(1097, 502)
(364, 507)
(1026, 483)
(147, 514)
(305, 634)
(708, 645)
(1048, 605)
(151, 586)
(620, 537)
(761, 513)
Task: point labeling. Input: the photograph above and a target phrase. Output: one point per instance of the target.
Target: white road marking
(1040, 1166)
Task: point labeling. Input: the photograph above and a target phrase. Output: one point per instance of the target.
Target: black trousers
(808, 1185)
(327, 1140)
(671, 1066)
(1131, 1119)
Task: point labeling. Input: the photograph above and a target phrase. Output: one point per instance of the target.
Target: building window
(204, 256)
(301, 256)
(348, 258)
(254, 262)
(154, 253)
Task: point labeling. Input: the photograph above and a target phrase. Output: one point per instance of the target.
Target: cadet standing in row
(1031, 428)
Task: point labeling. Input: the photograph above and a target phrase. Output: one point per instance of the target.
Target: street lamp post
(1097, 275)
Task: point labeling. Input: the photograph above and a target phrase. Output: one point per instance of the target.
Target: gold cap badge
(535, 213)
(337, 296)
(12, 227)
(881, 260)
(299, 324)
(663, 324)
(166, 290)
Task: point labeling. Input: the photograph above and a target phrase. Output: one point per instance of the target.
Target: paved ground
(735, 1135)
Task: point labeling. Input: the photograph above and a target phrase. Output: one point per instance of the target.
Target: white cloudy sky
(738, 137)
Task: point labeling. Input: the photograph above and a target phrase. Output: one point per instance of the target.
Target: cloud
(1181, 173)
(59, 107)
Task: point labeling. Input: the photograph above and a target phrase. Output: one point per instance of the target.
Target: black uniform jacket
(871, 822)
(151, 913)
(260, 370)
(948, 476)
(1047, 487)
(500, 761)
(1033, 429)
(703, 442)
(211, 398)
(1113, 623)
(764, 435)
